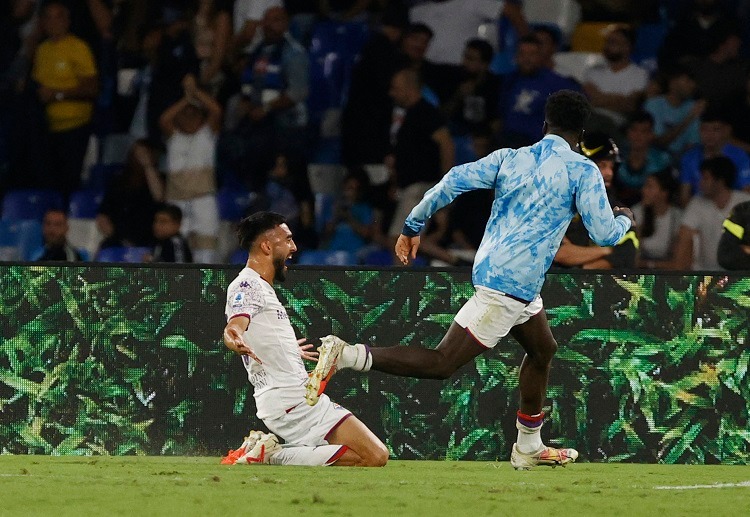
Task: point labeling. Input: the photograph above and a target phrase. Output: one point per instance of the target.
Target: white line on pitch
(695, 487)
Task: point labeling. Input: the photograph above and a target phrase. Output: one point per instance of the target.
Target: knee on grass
(375, 457)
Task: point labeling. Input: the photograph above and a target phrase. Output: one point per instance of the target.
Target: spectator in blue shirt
(524, 92)
(56, 246)
(715, 133)
(640, 158)
(676, 114)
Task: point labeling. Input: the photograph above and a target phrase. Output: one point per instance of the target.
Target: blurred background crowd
(134, 130)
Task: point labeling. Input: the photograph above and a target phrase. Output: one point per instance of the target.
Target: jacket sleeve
(481, 174)
(591, 202)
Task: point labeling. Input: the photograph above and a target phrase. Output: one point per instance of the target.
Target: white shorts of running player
(309, 425)
(489, 315)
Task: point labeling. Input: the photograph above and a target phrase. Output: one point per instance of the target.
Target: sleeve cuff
(409, 232)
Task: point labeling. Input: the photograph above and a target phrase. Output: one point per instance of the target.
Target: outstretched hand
(627, 213)
(305, 352)
(406, 248)
(233, 341)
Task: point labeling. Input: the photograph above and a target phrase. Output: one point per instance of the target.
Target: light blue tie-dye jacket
(538, 189)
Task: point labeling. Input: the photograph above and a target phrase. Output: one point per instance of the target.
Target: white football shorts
(308, 425)
(489, 315)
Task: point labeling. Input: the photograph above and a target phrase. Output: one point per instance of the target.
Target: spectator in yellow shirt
(66, 75)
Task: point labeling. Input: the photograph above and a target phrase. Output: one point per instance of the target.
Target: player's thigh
(459, 346)
(309, 425)
(535, 335)
(358, 437)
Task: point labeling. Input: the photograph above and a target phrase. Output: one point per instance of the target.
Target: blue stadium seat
(328, 151)
(324, 204)
(334, 49)
(238, 257)
(380, 258)
(23, 204)
(648, 40)
(130, 254)
(326, 258)
(464, 149)
(233, 203)
(19, 239)
(84, 204)
(101, 175)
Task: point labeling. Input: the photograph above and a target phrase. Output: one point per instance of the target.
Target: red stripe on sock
(337, 456)
(529, 420)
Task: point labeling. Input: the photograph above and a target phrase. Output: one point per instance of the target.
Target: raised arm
(604, 228)
(213, 108)
(166, 120)
(462, 178)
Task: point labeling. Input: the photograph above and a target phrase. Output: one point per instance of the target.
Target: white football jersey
(279, 383)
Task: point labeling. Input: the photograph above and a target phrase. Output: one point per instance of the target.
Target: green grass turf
(185, 486)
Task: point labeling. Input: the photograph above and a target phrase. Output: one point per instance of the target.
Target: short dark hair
(254, 225)
(529, 38)
(551, 30)
(485, 49)
(625, 31)
(721, 168)
(172, 211)
(716, 115)
(640, 117)
(567, 110)
(419, 28)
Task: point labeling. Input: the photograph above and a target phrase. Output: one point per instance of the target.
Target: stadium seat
(380, 258)
(648, 40)
(590, 36)
(100, 175)
(233, 203)
(334, 49)
(388, 258)
(238, 257)
(564, 14)
(325, 178)
(115, 148)
(328, 151)
(326, 258)
(84, 235)
(324, 204)
(83, 232)
(84, 204)
(25, 204)
(575, 64)
(19, 239)
(464, 149)
(129, 254)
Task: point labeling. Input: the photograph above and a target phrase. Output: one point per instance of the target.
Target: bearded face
(616, 47)
(279, 269)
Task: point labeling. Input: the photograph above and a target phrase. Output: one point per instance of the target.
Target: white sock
(321, 455)
(529, 438)
(357, 357)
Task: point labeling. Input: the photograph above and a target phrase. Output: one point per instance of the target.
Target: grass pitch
(184, 486)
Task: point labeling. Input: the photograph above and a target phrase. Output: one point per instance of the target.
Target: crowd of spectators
(198, 97)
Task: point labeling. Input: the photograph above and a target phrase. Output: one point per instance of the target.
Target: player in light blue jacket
(538, 189)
